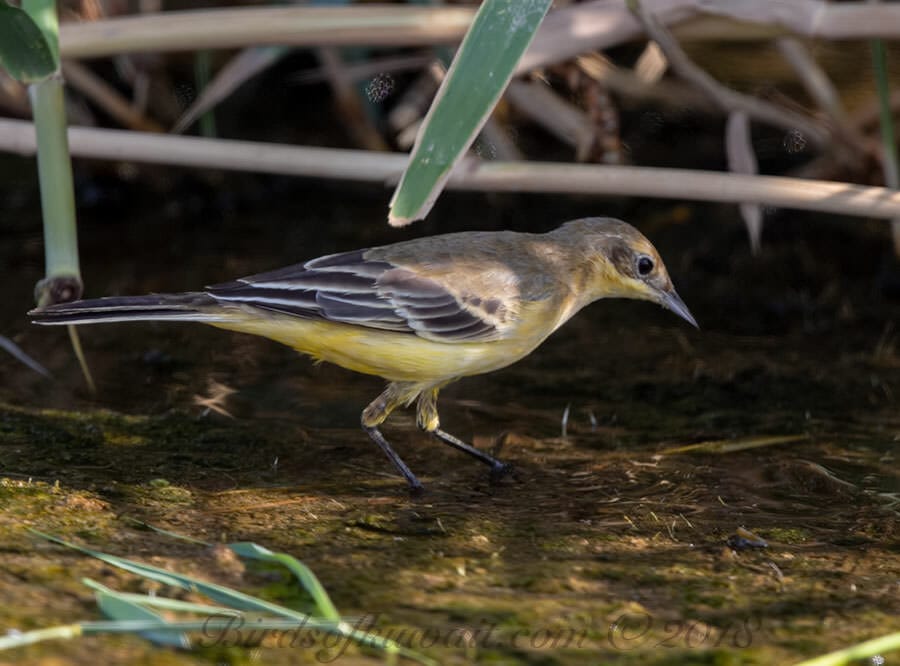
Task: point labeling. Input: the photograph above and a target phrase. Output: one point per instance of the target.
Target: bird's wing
(351, 289)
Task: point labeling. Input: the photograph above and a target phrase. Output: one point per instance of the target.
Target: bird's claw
(500, 470)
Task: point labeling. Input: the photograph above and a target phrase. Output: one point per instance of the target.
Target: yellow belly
(397, 356)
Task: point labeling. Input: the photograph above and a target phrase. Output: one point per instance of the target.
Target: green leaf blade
(119, 609)
(24, 51)
(481, 70)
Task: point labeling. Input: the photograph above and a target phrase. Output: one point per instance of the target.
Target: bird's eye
(644, 266)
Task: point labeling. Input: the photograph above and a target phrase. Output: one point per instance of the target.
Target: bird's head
(623, 264)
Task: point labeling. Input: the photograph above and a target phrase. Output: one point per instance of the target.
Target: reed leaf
(24, 51)
(481, 70)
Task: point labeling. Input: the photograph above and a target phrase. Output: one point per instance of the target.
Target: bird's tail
(193, 306)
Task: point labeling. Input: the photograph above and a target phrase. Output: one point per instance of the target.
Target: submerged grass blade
(119, 609)
(868, 650)
(164, 603)
(233, 598)
(734, 445)
(483, 66)
(124, 606)
(302, 572)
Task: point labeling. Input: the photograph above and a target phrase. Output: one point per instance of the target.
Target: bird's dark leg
(428, 420)
(415, 486)
(395, 395)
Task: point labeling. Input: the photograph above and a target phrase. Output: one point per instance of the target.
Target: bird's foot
(416, 489)
(500, 470)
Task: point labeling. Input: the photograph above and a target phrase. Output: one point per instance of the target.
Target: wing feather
(429, 312)
(338, 309)
(351, 289)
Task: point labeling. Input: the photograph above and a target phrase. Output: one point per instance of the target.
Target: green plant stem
(63, 277)
(57, 193)
(888, 139)
(62, 281)
(202, 77)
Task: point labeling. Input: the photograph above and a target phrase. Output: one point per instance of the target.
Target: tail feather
(169, 307)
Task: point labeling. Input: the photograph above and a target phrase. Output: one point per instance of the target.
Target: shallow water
(603, 547)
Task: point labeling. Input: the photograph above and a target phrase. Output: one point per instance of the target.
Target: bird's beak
(672, 301)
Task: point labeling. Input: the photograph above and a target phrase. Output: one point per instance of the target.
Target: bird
(420, 313)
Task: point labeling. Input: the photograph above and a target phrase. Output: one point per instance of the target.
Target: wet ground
(605, 546)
